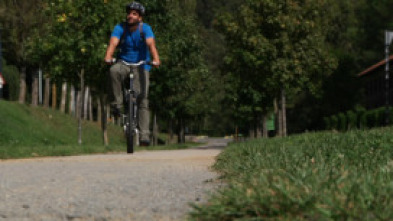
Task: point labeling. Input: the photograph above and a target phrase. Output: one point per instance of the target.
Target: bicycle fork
(131, 123)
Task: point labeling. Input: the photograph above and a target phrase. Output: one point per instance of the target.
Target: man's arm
(151, 43)
(113, 42)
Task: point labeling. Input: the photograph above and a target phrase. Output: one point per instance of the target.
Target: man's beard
(132, 24)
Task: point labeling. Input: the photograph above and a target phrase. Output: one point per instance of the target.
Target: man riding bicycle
(137, 43)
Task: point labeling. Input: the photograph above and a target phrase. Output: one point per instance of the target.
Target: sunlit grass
(315, 176)
(36, 132)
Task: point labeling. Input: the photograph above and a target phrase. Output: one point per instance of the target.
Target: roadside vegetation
(36, 132)
(313, 176)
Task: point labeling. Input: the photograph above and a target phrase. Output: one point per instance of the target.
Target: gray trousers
(118, 73)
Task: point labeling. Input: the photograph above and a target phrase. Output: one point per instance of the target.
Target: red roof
(2, 80)
(375, 66)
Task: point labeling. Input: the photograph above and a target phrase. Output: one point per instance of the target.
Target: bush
(381, 116)
(334, 122)
(361, 117)
(342, 119)
(11, 76)
(371, 116)
(358, 118)
(352, 120)
(326, 120)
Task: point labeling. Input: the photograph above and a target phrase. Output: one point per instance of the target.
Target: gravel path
(155, 185)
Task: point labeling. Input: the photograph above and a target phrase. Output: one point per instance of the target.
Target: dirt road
(156, 185)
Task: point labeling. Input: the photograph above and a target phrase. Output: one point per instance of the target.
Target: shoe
(144, 143)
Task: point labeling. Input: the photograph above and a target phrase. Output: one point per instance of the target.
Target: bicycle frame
(132, 133)
(130, 119)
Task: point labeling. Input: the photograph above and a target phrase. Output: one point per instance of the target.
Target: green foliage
(181, 86)
(334, 122)
(352, 119)
(11, 76)
(342, 119)
(359, 118)
(19, 20)
(274, 46)
(315, 176)
(76, 39)
(376, 117)
(327, 122)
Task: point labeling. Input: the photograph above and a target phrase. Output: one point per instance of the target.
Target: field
(314, 176)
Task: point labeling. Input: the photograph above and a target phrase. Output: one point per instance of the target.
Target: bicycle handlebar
(134, 64)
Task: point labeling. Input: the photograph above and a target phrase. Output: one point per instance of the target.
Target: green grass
(315, 176)
(35, 131)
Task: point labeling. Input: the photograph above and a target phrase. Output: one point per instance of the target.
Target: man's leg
(142, 86)
(117, 74)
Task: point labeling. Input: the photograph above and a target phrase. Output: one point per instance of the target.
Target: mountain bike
(130, 122)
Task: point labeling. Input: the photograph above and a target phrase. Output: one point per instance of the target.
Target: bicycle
(130, 122)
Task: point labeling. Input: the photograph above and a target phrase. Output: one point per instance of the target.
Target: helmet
(135, 6)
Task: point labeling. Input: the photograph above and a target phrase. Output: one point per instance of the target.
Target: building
(374, 84)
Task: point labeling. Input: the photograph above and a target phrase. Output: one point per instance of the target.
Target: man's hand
(110, 61)
(156, 63)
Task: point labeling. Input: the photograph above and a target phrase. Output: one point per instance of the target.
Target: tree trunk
(108, 113)
(81, 104)
(278, 121)
(22, 85)
(54, 96)
(47, 92)
(236, 133)
(63, 97)
(155, 130)
(99, 108)
(181, 135)
(170, 131)
(264, 126)
(86, 103)
(77, 104)
(284, 113)
(34, 92)
(90, 108)
(103, 115)
(251, 130)
(71, 108)
(258, 128)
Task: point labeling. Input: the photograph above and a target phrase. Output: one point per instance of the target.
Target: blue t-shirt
(134, 48)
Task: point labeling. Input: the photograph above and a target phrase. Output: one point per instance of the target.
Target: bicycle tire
(130, 123)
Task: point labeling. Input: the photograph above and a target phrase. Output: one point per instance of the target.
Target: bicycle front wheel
(130, 127)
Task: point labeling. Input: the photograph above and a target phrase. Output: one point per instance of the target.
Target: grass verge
(36, 132)
(315, 176)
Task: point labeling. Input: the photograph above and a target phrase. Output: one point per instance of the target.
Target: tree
(279, 47)
(19, 20)
(182, 87)
(76, 42)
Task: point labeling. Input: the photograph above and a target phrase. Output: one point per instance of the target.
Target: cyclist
(137, 43)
